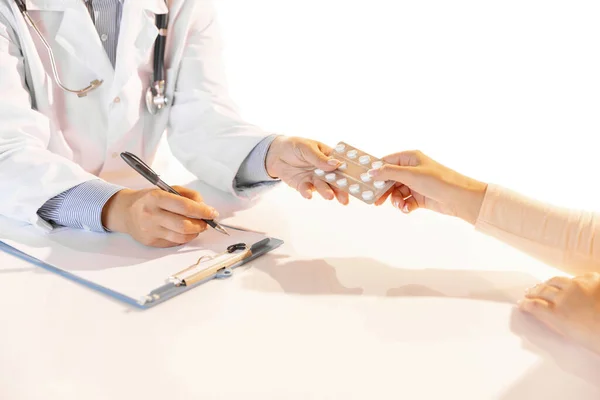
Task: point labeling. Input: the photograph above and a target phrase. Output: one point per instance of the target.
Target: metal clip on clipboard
(194, 273)
(197, 273)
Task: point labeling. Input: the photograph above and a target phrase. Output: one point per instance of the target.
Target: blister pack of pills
(352, 175)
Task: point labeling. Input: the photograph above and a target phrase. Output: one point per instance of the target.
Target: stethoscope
(155, 95)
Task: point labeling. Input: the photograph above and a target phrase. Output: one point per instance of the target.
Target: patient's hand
(424, 183)
(570, 307)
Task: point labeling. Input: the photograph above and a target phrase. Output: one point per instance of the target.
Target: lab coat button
(117, 99)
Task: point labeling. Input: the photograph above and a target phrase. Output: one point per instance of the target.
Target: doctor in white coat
(59, 154)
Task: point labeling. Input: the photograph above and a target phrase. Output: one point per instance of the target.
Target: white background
(507, 92)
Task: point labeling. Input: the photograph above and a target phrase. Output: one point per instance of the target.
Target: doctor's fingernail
(333, 162)
(405, 209)
(374, 171)
(396, 204)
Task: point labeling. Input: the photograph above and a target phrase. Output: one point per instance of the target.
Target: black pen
(143, 169)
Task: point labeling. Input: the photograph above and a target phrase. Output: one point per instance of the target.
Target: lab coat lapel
(50, 5)
(79, 38)
(137, 36)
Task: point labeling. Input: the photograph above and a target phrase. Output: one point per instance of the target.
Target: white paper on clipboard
(116, 261)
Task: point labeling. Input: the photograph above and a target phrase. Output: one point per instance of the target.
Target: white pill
(343, 167)
(342, 182)
(367, 195)
(330, 177)
(352, 154)
(319, 172)
(340, 148)
(364, 159)
(365, 177)
(354, 188)
(377, 164)
(379, 184)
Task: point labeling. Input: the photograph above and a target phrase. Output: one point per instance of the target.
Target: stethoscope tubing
(156, 87)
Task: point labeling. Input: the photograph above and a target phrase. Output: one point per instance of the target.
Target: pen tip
(222, 230)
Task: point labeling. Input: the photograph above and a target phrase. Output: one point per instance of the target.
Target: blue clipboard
(162, 293)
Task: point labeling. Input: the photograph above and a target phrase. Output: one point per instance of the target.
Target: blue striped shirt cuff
(81, 206)
(253, 170)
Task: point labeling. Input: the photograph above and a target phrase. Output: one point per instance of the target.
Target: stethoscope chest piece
(155, 97)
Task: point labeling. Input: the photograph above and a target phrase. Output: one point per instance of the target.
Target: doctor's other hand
(157, 218)
(424, 183)
(568, 306)
(294, 159)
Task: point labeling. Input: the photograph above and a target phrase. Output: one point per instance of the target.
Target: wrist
(471, 200)
(115, 211)
(273, 156)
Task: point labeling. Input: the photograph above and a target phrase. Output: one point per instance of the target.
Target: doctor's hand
(424, 183)
(157, 218)
(294, 159)
(570, 307)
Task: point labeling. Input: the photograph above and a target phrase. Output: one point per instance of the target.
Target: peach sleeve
(563, 238)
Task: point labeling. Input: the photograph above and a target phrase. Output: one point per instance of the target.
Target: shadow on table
(548, 379)
(563, 365)
(368, 277)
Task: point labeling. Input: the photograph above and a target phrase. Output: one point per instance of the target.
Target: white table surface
(360, 303)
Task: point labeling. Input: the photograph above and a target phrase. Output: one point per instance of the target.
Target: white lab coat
(51, 141)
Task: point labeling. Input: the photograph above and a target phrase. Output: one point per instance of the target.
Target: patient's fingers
(385, 196)
(402, 199)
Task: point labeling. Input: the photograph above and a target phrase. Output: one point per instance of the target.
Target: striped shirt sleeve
(253, 170)
(81, 206)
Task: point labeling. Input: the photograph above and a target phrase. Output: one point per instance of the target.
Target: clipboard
(209, 264)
